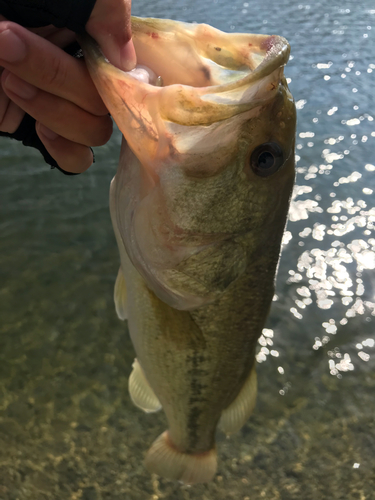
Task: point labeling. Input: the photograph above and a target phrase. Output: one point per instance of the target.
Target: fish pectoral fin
(120, 296)
(164, 459)
(140, 390)
(238, 412)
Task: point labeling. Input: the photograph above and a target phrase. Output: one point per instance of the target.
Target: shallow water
(67, 427)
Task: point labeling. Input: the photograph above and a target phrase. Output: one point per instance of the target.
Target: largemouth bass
(199, 205)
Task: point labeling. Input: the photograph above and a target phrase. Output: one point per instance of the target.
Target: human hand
(42, 80)
(70, 115)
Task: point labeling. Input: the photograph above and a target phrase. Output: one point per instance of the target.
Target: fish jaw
(182, 136)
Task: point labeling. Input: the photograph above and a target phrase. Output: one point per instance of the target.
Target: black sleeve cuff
(72, 14)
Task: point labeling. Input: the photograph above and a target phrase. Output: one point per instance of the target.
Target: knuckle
(8, 25)
(55, 74)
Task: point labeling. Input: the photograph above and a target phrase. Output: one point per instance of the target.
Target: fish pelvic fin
(238, 412)
(141, 392)
(120, 296)
(164, 459)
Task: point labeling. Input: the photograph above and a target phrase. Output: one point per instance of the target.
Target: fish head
(207, 164)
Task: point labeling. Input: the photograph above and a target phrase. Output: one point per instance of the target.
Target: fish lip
(277, 56)
(91, 47)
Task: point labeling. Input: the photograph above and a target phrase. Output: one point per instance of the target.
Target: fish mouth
(215, 74)
(202, 56)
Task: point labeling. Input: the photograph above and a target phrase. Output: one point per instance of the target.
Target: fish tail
(165, 460)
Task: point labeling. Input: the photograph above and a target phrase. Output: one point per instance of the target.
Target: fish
(199, 205)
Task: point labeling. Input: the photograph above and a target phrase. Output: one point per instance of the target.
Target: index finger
(39, 62)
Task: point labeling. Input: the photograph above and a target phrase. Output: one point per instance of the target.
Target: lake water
(67, 427)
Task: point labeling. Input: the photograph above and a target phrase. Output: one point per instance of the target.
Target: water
(67, 427)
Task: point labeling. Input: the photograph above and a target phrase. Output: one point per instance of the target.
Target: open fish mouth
(199, 56)
(181, 126)
(202, 56)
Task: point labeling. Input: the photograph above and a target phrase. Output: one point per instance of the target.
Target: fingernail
(12, 48)
(47, 132)
(128, 56)
(19, 87)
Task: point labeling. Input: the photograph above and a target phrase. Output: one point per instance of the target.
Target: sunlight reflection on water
(337, 257)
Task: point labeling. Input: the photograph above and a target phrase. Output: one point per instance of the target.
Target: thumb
(120, 54)
(110, 25)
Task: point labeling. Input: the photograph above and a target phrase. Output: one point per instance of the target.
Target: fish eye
(266, 159)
